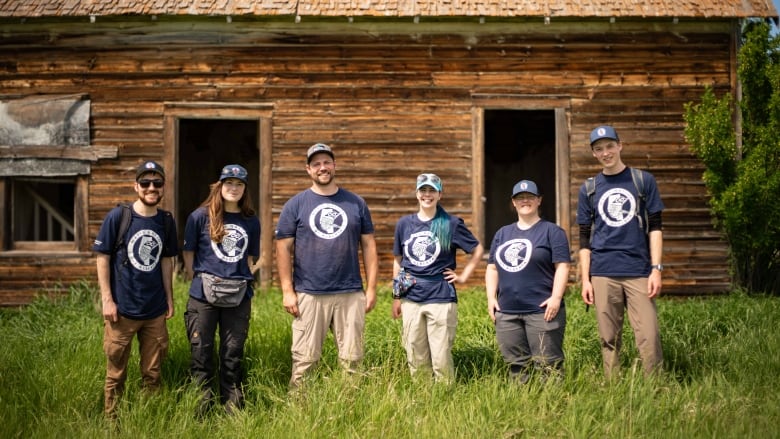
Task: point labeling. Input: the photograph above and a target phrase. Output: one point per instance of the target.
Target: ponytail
(440, 228)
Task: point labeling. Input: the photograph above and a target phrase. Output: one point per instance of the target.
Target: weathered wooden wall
(393, 100)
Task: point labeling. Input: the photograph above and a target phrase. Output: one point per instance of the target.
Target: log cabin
(482, 93)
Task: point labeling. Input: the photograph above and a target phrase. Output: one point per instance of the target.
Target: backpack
(638, 177)
(124, 225)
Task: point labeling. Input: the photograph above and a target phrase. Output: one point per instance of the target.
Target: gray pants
(527, 341)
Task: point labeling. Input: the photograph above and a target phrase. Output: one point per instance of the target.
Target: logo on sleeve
(421, 249)
(513, 255)
(144, 250)
(617, 207)
(233, 244)
(328, 221)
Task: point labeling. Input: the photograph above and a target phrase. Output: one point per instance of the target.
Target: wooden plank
(392, 104)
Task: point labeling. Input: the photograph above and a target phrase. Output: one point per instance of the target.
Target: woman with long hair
(221, 244)
(424, 268)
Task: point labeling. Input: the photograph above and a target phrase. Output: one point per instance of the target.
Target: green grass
(720, 379)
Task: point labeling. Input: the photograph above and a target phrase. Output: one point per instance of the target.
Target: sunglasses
(144, 183)
(424, 178)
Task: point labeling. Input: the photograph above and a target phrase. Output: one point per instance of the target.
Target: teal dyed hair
(440, 228)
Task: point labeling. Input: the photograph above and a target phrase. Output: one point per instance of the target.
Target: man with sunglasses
(135, 274)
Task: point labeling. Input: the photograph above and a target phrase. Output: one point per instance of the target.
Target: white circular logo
(421, 249)
(617, 206)
(233, 244)
(144, 250)
(328, 221)
(514, 255)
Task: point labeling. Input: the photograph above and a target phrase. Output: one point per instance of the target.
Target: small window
(42, 214)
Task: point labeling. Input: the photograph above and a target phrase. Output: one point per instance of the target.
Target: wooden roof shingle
(393, 8)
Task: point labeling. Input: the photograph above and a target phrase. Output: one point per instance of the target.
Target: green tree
(744, 183)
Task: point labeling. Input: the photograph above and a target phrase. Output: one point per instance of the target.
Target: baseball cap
(233, 171)
(431, 180)
(525, 186)
(317, 148)
(149, 166)
(603, 132)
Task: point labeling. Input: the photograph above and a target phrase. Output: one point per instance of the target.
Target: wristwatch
(658, 267)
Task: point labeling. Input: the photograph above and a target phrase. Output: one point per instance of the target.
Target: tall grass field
(720, 379)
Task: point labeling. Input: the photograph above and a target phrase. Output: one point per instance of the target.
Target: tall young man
(621, 243)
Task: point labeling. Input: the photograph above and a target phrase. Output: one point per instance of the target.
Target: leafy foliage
(744, 182)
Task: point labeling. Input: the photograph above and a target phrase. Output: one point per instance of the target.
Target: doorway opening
(519, 145)
(207, 145)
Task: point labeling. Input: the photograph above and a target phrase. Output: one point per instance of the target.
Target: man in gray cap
(620, 261)
(135, 250)
(318, 236)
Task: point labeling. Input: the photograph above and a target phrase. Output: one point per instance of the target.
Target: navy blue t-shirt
(619, 246)
(327, 232)
(525, 261)
(423, 256)
(226, 259)
(136, 274)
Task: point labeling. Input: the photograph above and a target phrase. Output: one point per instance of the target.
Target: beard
(317, 179)
(152, 203)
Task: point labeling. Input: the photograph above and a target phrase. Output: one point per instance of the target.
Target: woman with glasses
(221, 243)
(526, 277)
(424, 272)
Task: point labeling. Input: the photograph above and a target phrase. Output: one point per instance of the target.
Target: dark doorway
(205, 146)
(519, 145)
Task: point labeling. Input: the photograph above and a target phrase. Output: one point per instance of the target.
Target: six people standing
(319, 236)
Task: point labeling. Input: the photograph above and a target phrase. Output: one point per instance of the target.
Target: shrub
(744, 180)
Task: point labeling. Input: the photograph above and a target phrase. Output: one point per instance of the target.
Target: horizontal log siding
(392, 106)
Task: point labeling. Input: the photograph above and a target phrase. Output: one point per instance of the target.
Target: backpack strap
(170, 226)
(638, 177)
(124, 225)
(127, 217)
(590, 189)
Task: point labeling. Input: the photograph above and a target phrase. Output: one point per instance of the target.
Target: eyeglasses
(144, 183)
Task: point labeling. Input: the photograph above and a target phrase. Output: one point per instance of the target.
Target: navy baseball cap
(603, 132)
(317, 148)
(233, 171)
(525, 186)
(149, 166)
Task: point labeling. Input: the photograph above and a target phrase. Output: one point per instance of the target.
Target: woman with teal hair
(424, 273)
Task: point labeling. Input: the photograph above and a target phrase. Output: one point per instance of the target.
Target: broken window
(44, 153)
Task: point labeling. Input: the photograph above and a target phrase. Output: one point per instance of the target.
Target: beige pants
(613, 295)
(344, 314)
(428, 336)
(117, 343)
